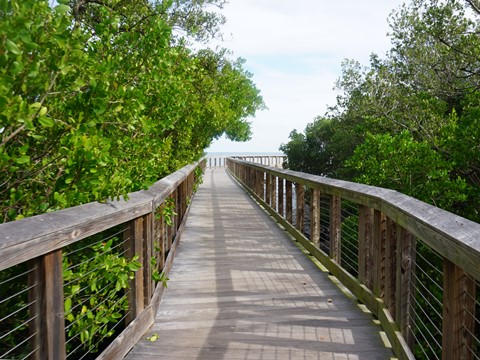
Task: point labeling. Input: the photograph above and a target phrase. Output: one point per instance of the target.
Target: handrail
(214, 161)
(389, 228)
(37, 243)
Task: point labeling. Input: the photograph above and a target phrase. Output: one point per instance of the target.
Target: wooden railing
(33, 254)
(416, 267)
(271, 160)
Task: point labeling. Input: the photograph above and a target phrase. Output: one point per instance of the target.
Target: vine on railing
(416, 267)
(71, 281)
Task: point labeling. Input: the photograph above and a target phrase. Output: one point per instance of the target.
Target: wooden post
(390, 265)
(335, 228)
(268, 189)
(405, 289)
(378, 248)
(162, 243)
(135, 248)
(184, 198)
(178, 208)
(458, 313)
(261, 184)
(148, 254)
(281, 206)
(315, 217)
(288, 200)
(364, 245)
(48, 309)
(300, 223)
(273, 192)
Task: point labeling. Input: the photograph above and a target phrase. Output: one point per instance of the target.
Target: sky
(295, 49)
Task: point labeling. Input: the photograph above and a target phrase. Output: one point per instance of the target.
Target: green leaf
(46, 121)
(12, 47)
(153, 338)
(42, 111)
(24, 159)
(62, 8)
(68, 304)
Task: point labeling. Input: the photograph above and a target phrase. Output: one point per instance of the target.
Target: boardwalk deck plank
(240, 289)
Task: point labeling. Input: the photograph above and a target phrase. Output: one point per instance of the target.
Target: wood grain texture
(364, 294)
(240, 289)
(28, 238)
(458, 314)
(335, 228)
(452, 236)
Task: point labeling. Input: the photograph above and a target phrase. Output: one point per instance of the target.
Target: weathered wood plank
(240, 285)
(288, 200)
(452, 236)
(25, 239)
(52, 305)
(458, 313)
(335, 228)
(300, 207)
(365, 295)
(315, 216)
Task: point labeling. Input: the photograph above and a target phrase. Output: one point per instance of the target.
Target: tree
(101, 98)
(399, 162)
(426, 87)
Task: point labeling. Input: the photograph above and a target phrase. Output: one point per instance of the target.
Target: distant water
(244, 153)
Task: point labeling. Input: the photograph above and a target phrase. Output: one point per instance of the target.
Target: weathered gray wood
(365, 226)
(240, 288)
(452, 236)
(134, 247)
(268, 189)
(52, 305)
(273, 184)
(148, 254)
(378, 245)
(28, 238)
(390, 265)
(335, 228)
(281, 201)
(138, 326)
(405, 284)
(458, 313)
(364, 295)
(300, 207)
(288, 199)
(315, 217)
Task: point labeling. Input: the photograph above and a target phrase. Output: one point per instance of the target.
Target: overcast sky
(294, 50)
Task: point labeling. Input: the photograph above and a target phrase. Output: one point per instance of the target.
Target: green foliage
(408, 121)
(94, 292)
(168, 210)
(401, 163)
(98, 99)
(322, 149)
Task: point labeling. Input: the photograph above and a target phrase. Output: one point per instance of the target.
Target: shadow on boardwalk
(241, 289)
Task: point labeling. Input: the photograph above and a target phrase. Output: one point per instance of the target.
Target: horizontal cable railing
(416, 267)
(86, 282)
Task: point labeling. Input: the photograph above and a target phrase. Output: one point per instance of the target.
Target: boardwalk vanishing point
(240, 288)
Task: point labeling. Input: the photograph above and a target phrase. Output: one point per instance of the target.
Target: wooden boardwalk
(241, 289)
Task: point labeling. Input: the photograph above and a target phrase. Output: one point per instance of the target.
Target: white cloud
(294, 50)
